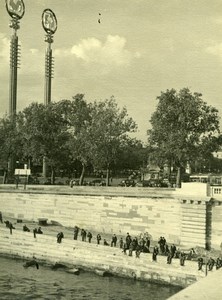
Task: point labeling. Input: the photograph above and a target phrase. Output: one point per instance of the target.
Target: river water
(17, 283)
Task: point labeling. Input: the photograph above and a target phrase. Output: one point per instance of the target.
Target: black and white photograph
(110, 149)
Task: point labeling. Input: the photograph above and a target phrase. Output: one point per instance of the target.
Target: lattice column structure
(49, 23)
(16, 10)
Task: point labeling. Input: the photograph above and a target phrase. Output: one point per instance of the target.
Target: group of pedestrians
(128, 245)
(25, 228)
(141, 244)
(83, 233)
(210, 263)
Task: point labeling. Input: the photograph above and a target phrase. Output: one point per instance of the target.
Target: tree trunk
(4, 177)
(178, 182)
(52, 176)
(44, 168)
(82, 174)
(107, 176)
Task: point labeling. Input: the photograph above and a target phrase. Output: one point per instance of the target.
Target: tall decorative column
(49, 23)
(16, 10)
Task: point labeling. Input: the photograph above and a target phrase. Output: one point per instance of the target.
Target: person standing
(1, 220)
(128, 240)
(200, 263)
(76, 232)
(89, 235)
(131, 249)
(114, 241)
(98, 238)
(125, 247)
(210, 264)
(138, 251)
(173, 249)
(34, 232)
(218, 263)
(11, 227)
(83, 235)
(155, 253)
(169, 257)
(60, 236)
(121, 243)
(182, 258)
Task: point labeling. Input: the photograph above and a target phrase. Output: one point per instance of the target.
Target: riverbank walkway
(112, 253)
(209, 288)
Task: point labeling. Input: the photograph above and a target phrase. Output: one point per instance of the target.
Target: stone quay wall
(182, 219)
(216, 225)
(96, 258)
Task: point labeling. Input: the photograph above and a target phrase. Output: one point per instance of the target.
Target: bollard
(34, 232)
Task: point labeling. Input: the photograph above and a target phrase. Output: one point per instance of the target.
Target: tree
(98, 131)
(10, 143)
(183, 127)
(44, 133)
(78, 115)
(132, 155)
(108, 131)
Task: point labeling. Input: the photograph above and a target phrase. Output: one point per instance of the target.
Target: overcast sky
(140, 48)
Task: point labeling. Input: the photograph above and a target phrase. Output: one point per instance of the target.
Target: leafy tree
(10, 143)
(132, 155)
(44, 132)
(183, 127)
(78, 115)
(108, 131)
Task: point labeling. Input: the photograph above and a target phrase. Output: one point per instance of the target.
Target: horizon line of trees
(185, 130)
(72, 132)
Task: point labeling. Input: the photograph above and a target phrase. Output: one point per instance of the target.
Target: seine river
(44, 283)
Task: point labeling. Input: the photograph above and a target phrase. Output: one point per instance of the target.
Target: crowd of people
(142, 244)
(137, 245)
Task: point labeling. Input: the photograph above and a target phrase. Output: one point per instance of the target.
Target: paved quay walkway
(209, 288)
(145, 259)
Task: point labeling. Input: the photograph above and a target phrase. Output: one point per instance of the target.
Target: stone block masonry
(216, 225)
(158, 216)
(182, 219)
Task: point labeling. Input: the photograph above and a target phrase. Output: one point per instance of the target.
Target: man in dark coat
(1, 220)
(76, 232)
(200, 263)
(83, 235)
(60, 236)
(128, 240)
(210, 264)
(89, 235)
(173, 249)
(155, 253)
(114, 241)
(169, 257)
(182, 258)
(98, 238)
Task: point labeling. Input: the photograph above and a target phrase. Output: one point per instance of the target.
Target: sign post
(22, 172)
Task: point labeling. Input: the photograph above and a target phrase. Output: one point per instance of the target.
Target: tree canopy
(68, 132)
(109, 131)
(184, 127)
